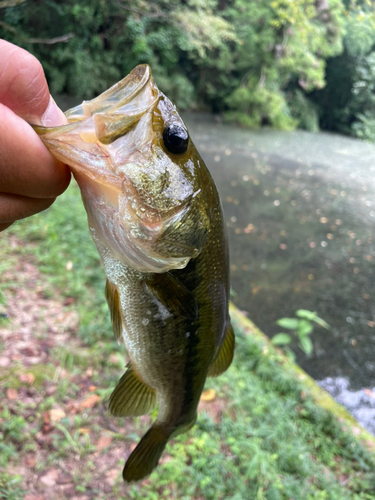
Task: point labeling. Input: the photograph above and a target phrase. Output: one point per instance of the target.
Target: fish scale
(155, 216)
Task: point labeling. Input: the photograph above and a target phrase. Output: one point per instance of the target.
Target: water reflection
(361, 404)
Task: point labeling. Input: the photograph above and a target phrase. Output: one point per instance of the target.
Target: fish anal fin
(131, 397)
(225, 355)
(173, 295)
(146, 455)
(113, 299)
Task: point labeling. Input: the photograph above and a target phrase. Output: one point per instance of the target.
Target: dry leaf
(104, 441)
(84, 430)
(56, 414)
(90, 402)
(92, 388)
(50, 478)
(208, 395)
(27, 378)
(46, 417)
(30, 461)
(12, 394)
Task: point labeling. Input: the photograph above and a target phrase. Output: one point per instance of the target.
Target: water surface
(300, 210)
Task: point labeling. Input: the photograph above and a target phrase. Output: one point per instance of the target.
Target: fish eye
(176, 139)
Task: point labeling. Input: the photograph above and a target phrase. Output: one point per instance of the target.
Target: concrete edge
(321, 397)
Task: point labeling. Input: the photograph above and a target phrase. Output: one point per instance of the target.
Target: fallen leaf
(27, 378)
(4, 362)
(30, 461)
(56, 414)
(104, 441)
(84, 430)
(92, 388)
(208, 395)
(51, 390)
(12, 394)
(64, 479)
(50, 478)
(33, 497)
(90, 402)
(111, 476)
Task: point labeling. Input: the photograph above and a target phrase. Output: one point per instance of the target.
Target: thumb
(24, 88)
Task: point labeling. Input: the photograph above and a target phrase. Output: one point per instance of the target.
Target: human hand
(30, 178)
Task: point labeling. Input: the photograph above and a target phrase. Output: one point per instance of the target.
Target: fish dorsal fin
(225, 356)
(173, 295)
(113, 299)
(131, 397)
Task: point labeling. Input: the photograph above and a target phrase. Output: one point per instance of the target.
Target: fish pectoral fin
(113, 299)
(146, 455)
(173, 295)
(132, 397)
(225, 356)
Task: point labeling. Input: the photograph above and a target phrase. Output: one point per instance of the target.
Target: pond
(300, 211)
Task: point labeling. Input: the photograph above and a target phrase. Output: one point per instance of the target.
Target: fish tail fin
(146, 455)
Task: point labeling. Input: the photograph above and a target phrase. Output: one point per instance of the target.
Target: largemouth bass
(155, 216)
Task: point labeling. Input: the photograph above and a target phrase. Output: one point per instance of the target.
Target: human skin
(30, 178)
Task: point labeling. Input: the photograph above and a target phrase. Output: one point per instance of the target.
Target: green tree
(347, 103)
(283, 47)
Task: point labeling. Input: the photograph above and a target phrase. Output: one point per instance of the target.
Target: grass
(262, 436)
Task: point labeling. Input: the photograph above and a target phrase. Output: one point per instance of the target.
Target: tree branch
(46, 41)
(157, 12)
(10, 3)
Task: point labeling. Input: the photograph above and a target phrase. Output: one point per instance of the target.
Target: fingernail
(53, 115)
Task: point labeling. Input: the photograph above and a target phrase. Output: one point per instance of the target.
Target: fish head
(139, 172)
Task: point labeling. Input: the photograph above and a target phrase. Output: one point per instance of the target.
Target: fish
(155, 216)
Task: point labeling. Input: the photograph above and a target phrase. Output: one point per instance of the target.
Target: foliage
(261, 63)
(283, 44)
(234, 56)
(10, 488)
(301, 327)
(347, 104)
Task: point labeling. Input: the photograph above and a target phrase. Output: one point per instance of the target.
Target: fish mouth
(103, 119)
(117, 109)
(94, 125)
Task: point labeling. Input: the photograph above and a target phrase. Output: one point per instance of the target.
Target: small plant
(301, 327)
(10, 488)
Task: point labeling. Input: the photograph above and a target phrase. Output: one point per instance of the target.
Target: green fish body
(155, 216)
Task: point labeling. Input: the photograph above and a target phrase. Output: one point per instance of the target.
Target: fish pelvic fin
(146, 455)
(113, 300)
(132, 397)
(225, 355)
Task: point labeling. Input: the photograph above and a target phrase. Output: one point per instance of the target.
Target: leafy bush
(235, 56)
